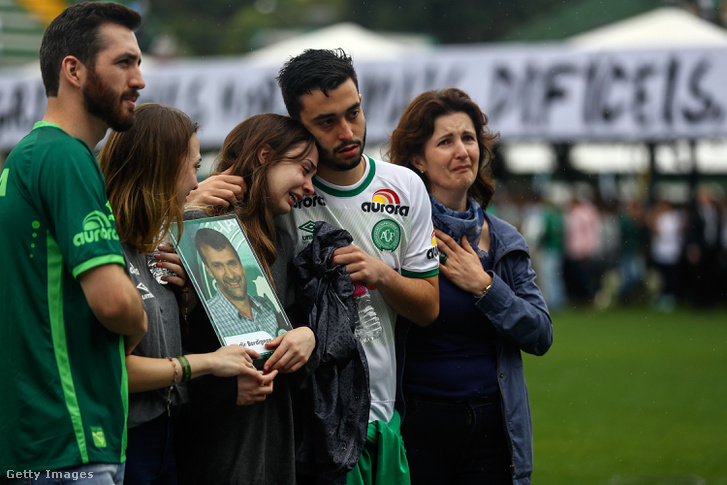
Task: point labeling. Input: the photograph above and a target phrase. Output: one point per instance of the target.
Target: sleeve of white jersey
(421, 259)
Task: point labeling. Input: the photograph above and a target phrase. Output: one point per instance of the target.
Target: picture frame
(235, 291)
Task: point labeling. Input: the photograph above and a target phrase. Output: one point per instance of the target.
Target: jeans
(457, 442)
(150, 453)
(90, 474)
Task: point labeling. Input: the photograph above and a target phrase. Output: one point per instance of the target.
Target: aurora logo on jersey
(311, 201)
(96, 226)
(386, 201)
(433, 252)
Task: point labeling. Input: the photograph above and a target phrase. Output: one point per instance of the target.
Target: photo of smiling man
(233, 311)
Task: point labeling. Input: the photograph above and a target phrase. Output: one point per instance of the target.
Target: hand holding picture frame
(231, 284)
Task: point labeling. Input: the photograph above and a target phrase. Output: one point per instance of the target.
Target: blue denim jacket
(515, 306)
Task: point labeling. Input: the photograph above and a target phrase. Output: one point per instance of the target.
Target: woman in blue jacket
(462, 376)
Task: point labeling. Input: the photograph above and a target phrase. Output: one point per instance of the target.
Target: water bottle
(369, 325)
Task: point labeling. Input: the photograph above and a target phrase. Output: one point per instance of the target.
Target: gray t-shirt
(162, 340)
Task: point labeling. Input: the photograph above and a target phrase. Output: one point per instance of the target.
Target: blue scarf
(457, 224)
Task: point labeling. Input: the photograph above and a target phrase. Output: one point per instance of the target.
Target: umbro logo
(145, 293)
(308, 227)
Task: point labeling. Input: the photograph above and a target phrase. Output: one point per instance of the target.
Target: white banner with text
(550, 93)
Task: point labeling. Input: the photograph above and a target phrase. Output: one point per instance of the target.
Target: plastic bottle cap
(359, 289)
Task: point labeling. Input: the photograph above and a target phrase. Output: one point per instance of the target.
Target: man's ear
(73, 71)
(263, 152)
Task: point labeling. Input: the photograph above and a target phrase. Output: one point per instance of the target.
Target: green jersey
(63, 376)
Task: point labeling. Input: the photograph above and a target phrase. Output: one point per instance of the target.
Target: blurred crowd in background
(590, 251)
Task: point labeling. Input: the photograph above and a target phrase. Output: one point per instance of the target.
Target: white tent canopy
(664, 27)
(354, 39)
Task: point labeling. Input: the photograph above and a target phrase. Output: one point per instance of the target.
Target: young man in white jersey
(384, 208)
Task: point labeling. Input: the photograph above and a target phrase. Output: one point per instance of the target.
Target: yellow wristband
(186, 368)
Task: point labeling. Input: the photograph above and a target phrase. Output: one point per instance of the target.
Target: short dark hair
(75, 33)
(322, 69)
(416, 127)
(214, 239)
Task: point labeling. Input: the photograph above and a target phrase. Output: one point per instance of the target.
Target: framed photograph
(230, 282)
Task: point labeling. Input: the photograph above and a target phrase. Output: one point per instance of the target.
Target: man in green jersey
(70, 314)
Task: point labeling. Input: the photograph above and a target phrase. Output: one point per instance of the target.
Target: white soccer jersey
(389, 216)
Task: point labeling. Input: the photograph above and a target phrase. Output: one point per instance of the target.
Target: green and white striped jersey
(388, 214)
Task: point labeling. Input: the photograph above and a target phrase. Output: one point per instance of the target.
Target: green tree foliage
(464, 21)
(216, 27)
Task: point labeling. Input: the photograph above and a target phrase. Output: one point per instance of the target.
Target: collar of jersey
(41, 124)
(342, 191)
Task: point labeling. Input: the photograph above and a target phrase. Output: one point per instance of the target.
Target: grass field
(627, 397)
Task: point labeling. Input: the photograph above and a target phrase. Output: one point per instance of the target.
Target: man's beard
(103, 103)
(239, 293)
(329, 160)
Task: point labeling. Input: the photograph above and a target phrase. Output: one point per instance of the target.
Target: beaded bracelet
(186, 368)
(176, 373)
(171, 386)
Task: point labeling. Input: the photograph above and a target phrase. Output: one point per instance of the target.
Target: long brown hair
(241, 150)
(416, 127)
(141, 167)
